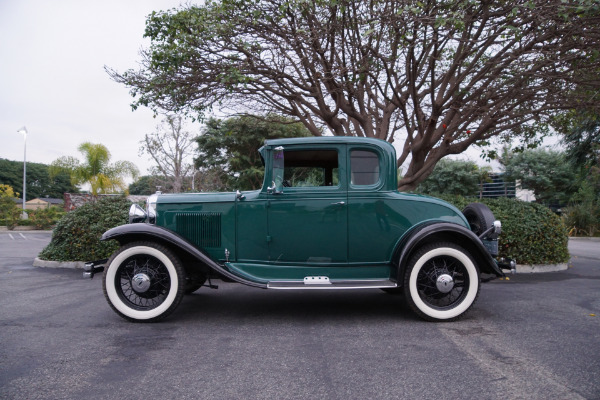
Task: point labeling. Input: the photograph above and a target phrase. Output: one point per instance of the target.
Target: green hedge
(77, 235)
(531, 233)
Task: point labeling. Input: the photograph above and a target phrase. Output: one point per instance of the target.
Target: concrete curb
(540, 268)
(25, 228)
(2, 231)
(593, 239)
(37, 262)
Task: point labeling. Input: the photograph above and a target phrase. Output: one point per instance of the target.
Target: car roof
(327, 139)
(388, 151)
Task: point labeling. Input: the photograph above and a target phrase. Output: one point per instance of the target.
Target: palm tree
(97, 170)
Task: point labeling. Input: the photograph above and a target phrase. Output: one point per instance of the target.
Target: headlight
(151, 208)
(136, 214)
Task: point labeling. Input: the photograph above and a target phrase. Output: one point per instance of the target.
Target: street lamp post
(193, 179)
(23, 131)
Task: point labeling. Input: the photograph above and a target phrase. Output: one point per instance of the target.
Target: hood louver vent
(201, 228)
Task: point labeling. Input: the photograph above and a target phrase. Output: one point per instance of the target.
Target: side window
(311, 168)
(364, 167)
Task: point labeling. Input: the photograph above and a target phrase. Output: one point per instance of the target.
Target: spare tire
(480, 218)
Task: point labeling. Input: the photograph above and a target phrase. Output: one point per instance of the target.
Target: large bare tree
(170, 147)
(435, 75)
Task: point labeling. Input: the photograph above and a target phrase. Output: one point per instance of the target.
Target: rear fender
(444, 232)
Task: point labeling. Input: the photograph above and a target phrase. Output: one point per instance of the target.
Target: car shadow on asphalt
(239, 302)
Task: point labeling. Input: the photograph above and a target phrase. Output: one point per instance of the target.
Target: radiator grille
(201, 228)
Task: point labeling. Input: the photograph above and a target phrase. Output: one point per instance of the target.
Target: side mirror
(277, 172)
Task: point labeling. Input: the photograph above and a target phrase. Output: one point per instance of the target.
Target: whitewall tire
(143, 281)
(441, 282)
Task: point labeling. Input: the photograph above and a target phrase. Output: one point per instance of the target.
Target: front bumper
(93, 267)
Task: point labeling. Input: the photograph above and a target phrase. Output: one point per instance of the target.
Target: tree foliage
(170, 147)
(548, 173)
(438, 76)
(228, 149)
(9, 211)
(7, 191)
(103, 176)
(39, 182)
(455, 177)
(581, 135)
(145, 185)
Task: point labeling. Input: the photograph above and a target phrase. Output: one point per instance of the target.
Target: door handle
(339, 203)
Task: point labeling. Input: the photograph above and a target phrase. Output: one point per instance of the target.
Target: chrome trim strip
(333, 284)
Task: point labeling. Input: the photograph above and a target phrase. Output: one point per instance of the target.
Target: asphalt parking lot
(534, 336)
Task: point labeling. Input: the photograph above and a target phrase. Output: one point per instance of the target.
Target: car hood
(181, 198)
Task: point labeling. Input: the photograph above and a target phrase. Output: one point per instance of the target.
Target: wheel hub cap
(140, 283)
(444, 283)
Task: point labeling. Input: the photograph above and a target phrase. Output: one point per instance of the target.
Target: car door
(308, 219)
(371, 232)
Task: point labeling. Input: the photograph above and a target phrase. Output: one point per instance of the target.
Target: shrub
(531, 232)
(44, 218)
(583, 215)
(77, 235)
(10, 213)
(583, 218)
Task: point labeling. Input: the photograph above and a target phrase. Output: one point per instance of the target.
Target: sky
(53, 82)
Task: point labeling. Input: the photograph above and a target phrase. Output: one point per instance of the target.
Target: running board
(325, 283)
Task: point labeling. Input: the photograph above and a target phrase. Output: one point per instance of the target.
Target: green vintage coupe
(329, 216)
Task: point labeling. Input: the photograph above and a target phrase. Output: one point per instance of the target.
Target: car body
(328, 216)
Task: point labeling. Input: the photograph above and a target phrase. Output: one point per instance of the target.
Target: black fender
(445, 231)
(146, 232)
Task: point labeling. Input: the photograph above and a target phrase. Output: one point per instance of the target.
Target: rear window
(364, 167)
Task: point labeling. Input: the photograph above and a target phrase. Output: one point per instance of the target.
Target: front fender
(146, 232)
(446, 231)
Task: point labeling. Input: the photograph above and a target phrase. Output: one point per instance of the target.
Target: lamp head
(23, 131)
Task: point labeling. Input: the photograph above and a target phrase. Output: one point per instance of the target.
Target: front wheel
(143, 282)
(441, 282)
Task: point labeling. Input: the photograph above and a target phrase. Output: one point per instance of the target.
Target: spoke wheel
(442, 282)
(144, 281)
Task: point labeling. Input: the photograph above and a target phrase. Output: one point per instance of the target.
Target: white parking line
(23, 236)
(11, 236)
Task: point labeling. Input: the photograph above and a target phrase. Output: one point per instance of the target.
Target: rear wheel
(144, 282)
(441, 282)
